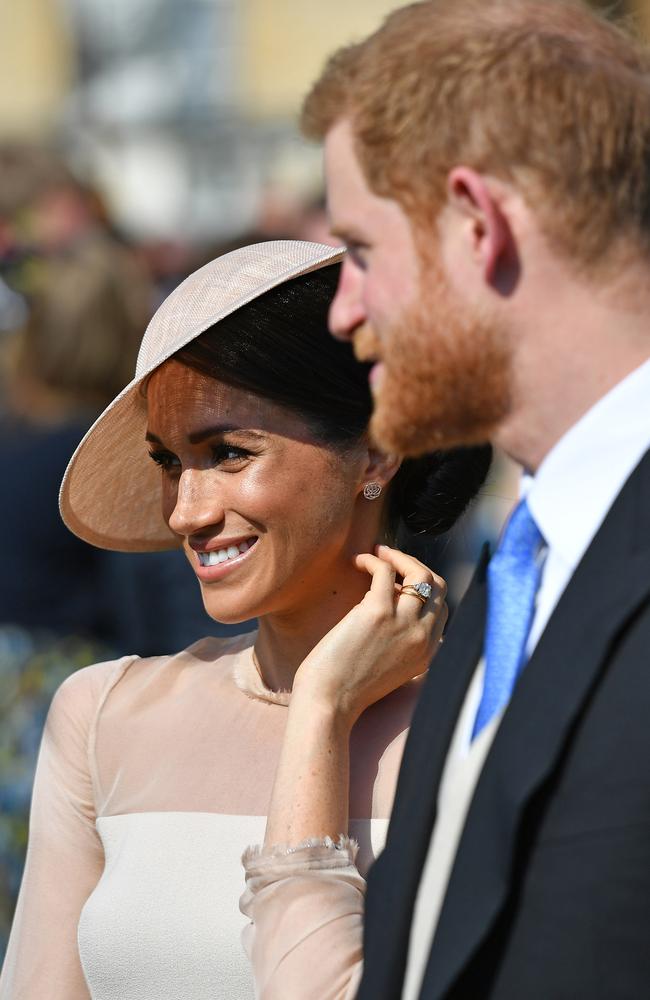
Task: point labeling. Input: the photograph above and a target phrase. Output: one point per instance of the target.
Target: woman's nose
(197, 505)
(347, 311)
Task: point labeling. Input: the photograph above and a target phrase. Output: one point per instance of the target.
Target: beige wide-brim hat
(111, 491)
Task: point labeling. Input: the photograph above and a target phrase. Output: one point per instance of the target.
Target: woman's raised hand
(383, 642)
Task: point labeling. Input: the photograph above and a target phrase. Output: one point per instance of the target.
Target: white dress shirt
(578, 481)
(569, 498)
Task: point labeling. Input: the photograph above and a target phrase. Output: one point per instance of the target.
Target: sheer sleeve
(64, 857)
(304, 903)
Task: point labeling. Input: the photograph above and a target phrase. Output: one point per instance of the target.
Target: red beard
(446, 379)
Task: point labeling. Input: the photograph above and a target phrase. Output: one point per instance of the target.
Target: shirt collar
(582, 475)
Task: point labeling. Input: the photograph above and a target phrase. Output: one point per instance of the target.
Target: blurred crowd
(75, 297)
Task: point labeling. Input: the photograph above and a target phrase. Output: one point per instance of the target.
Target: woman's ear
(379, 467)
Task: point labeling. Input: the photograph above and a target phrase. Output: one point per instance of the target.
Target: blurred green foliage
(32, 666)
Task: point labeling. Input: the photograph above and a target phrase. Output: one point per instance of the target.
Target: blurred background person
(87, 302)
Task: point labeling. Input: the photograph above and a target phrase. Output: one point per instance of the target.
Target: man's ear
(486, 227)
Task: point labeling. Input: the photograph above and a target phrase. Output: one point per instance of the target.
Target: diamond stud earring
(372, 490)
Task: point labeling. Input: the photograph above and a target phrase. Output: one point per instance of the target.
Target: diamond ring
(422, 591)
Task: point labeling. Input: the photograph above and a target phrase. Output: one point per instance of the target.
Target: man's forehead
(343, 175)
(352, 207)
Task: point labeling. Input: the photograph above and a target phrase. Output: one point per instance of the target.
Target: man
(488, 167)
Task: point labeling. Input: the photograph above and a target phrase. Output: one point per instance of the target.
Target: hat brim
(111, 491)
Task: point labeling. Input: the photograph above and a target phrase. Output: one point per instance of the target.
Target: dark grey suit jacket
(549, 896)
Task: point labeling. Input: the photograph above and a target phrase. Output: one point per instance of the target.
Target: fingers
(382, 584)
(413, 572)
(409, 568)
(385, 566)
(442, 614)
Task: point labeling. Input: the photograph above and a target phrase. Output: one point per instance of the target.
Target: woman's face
(267, 515)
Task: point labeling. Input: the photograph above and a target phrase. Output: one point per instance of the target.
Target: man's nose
(198, 505)
(347, 311)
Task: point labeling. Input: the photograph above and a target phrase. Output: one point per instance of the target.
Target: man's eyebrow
(199, 436)
(348, 234)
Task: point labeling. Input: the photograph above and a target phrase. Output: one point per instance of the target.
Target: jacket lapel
(394, 878)
(608, 586)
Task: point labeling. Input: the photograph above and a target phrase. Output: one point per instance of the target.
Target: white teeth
(222, 555)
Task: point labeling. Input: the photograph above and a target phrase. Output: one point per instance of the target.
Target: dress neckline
(247, 678)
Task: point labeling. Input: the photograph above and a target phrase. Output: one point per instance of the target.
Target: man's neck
(574, 331)
(560, 376)
(533, 430)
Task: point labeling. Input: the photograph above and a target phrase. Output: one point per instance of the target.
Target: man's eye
(358, 255)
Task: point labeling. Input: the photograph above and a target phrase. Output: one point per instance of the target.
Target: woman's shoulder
(77, 701)
(212, 653)
(82, 690)
(199, 668)
(83, 693)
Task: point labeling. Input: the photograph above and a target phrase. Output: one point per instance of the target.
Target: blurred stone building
(182, 111)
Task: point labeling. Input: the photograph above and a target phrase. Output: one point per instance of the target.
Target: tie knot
(521, 538)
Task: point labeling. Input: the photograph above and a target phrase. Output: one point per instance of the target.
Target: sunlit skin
(380, 272)
(266, 478)
(441, 377)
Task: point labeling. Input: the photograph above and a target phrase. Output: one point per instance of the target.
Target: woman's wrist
(330, 707)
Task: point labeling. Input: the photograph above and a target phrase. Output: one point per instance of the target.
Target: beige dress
(153, 777)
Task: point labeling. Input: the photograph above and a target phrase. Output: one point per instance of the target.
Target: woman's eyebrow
(197, 437)
(152, 437)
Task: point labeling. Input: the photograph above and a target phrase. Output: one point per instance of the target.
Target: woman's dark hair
(278, 347)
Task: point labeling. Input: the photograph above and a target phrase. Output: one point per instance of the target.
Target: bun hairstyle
(430, 493)
(278, 346)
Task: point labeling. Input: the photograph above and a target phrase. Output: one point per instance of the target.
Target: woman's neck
(284, 640)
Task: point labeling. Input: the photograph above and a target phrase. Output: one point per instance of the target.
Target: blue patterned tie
(513, 577)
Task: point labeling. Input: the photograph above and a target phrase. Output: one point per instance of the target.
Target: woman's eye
(228, 453)
(222, 454)
(165, 460)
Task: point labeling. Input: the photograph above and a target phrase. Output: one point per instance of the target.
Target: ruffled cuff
(304, 903)
(311, 854)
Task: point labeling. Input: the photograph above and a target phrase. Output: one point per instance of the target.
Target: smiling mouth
(226, 554)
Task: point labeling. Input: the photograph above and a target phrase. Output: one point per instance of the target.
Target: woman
(155, 774)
